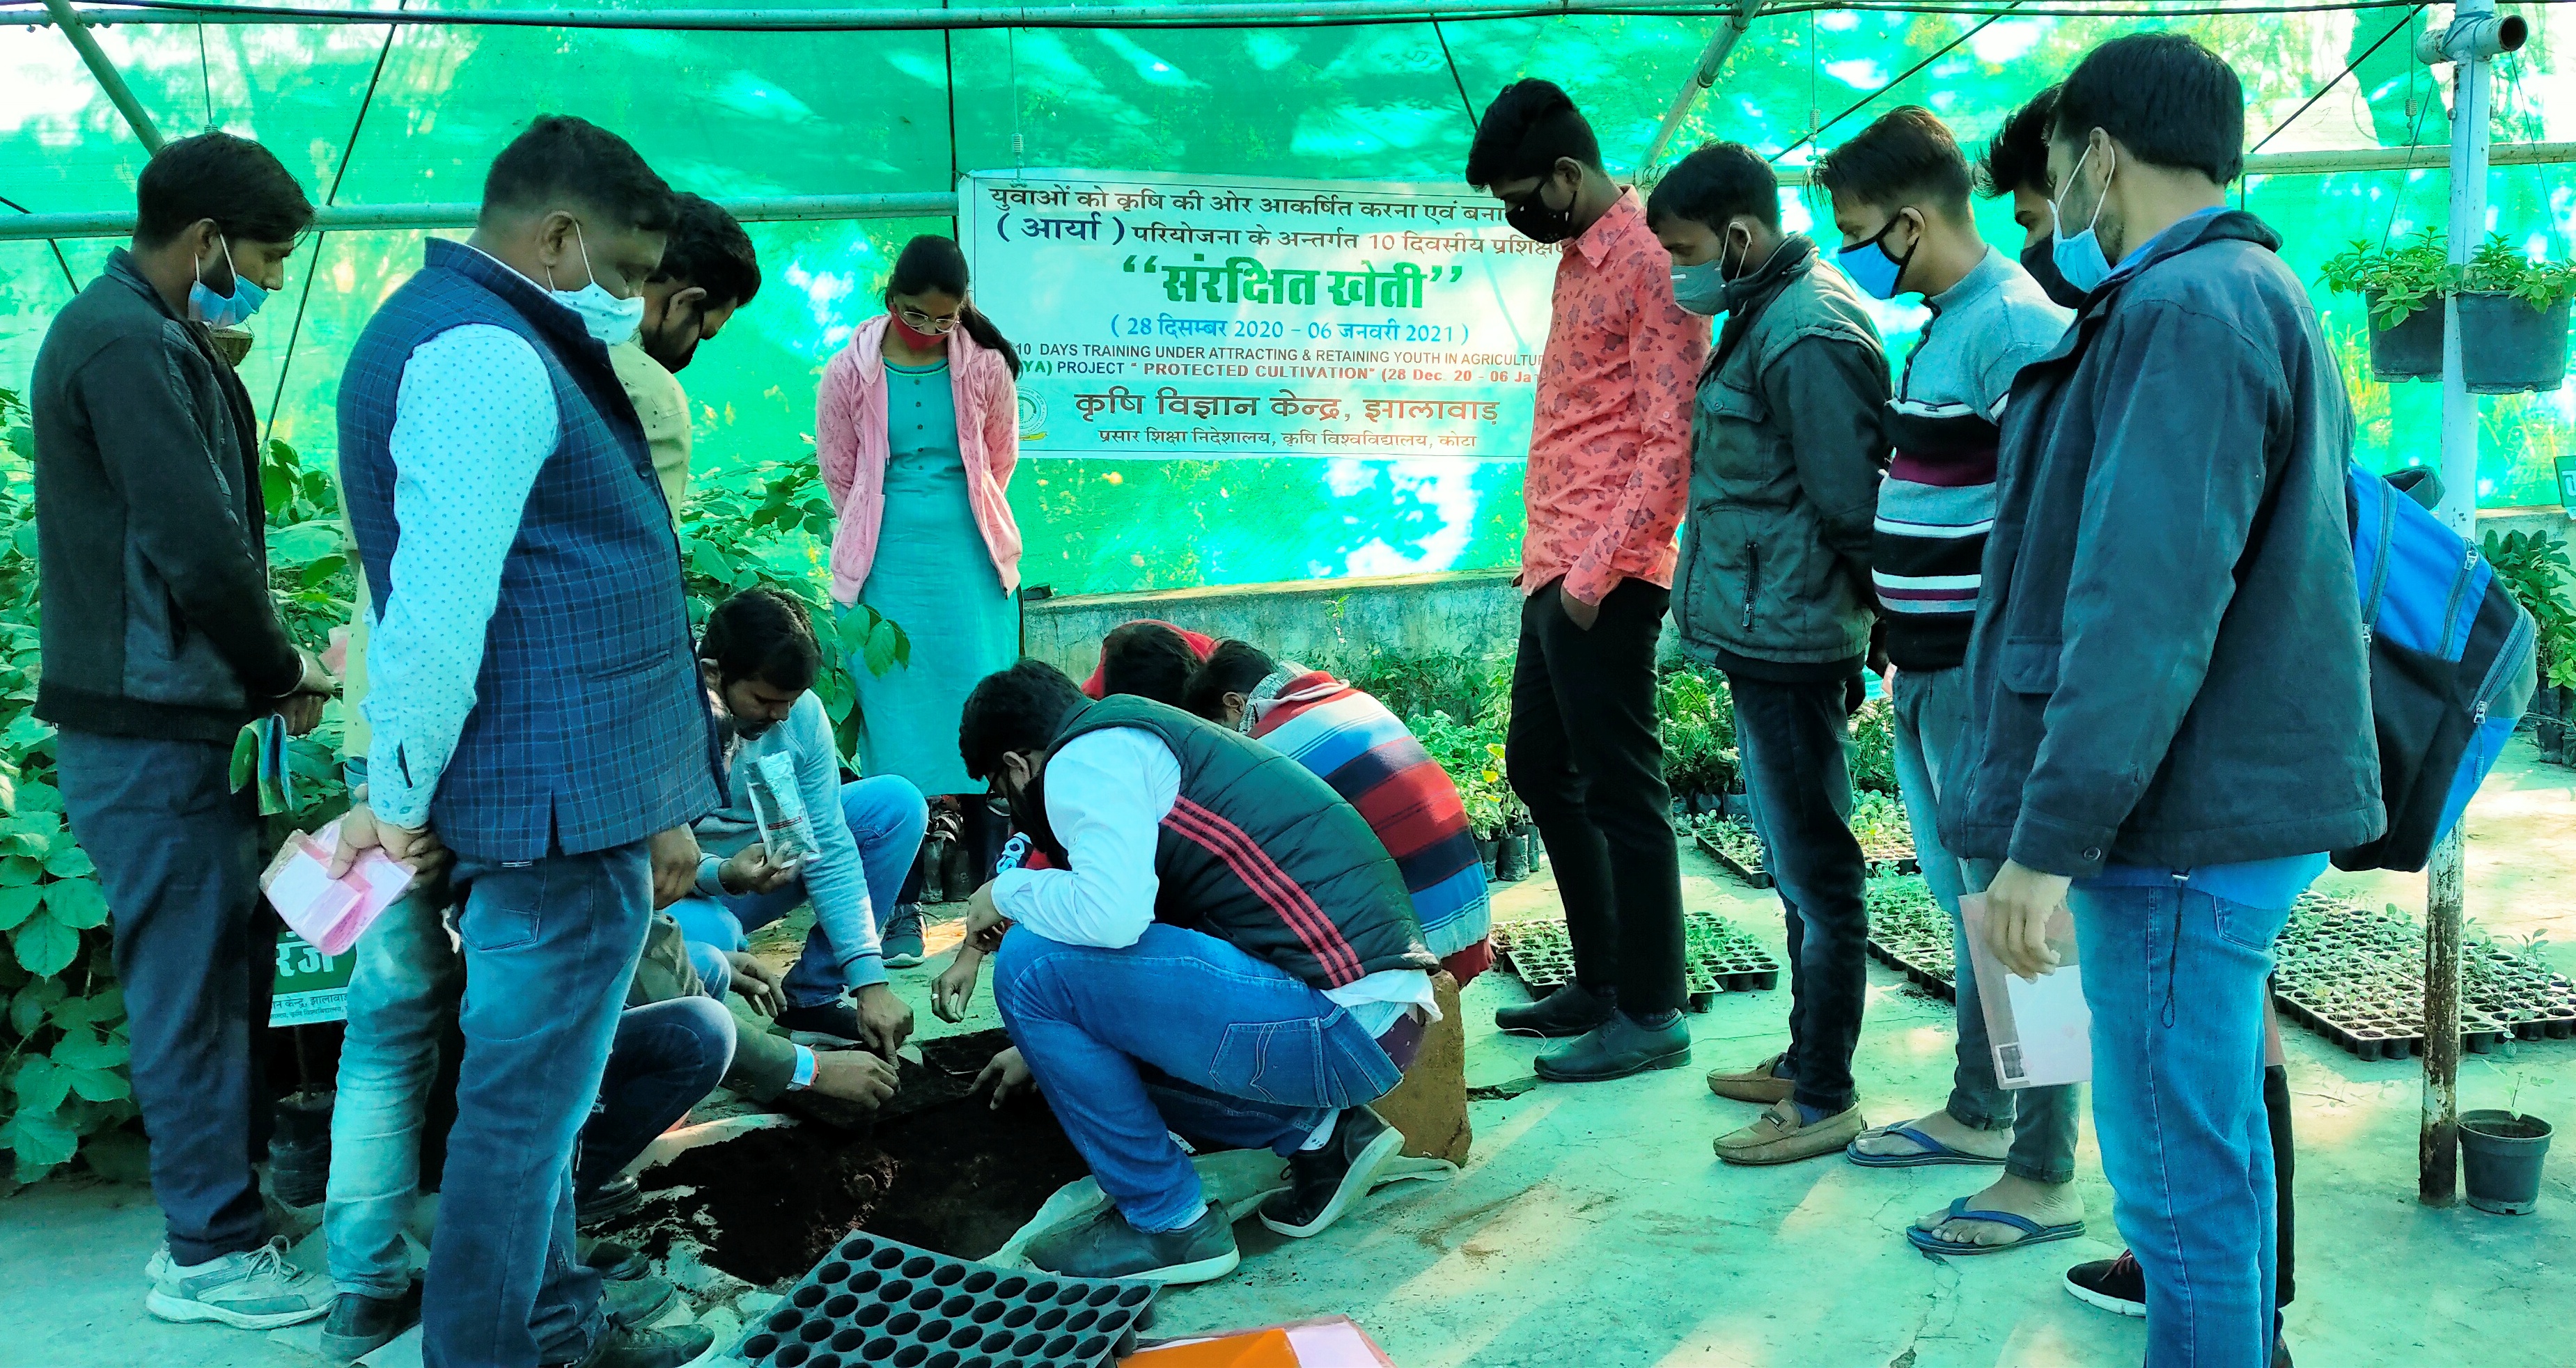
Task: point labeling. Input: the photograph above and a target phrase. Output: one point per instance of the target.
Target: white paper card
(2040, 1031)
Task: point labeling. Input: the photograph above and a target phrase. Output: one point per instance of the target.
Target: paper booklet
(2040, 1032)
(330, 913)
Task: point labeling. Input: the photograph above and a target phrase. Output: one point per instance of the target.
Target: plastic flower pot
(2551, 736)
(1488, 849)
(2507, 346)
(299, 1148)
(1535, 850)
(1511, 858)
(2500, 1156)
(2410, 351)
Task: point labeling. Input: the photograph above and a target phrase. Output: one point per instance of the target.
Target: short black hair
(1146, 659)
(1233, 667)
(1715, 183)
(562, 159)
(766, 634)
(709, 249)
(2164, 97)
(236, 182)
(1018, 709)
(1525, 130)
(1905, 155)
(2017, 158)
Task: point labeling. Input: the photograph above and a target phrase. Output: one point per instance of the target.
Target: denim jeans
(667, 1057)
(403, 990)
(887, 819)
(1931, 714)
(549, 948)
(2174, 978)
(1179, 1032)
(1790, 737)
(196, 952)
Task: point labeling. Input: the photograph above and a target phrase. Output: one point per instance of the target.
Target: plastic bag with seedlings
(780, 805)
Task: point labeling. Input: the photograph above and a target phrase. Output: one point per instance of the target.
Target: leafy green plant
(2398, 281)
(1872, 756)
(1698, 717)
(2534, 565)
(1472, 753)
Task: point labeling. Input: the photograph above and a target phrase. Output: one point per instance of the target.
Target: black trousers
(1587, 756)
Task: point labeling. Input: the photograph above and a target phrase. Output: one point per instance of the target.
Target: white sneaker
(253, 1290)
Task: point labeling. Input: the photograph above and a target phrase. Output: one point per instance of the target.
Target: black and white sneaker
(1323, 1183)
(1106, 1246)
(2115, 1285)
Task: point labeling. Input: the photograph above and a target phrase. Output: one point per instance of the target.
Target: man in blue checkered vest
(534, 703)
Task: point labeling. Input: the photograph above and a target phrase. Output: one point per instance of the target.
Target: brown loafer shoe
(1751, 1085)
(1780, 1137)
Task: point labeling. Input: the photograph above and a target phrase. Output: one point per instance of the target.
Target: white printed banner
(1211, 317)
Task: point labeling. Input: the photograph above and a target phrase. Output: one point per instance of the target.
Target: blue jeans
(196, 953)
(1180, 1031)
(403, 990)
(2174, 978)
(1791, 738)
(667, 1057)
(1931, 715)
(887, 819)
(549, 949)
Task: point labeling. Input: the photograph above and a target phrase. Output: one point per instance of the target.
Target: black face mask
(2041, 262)
(1531, 218)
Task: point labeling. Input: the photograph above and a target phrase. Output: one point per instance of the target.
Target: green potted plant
(2501, 1150)
(2535, 566)
(2403, 287)
(2513, 320)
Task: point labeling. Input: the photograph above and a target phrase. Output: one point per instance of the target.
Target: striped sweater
(1353, 743)
(1938, 501)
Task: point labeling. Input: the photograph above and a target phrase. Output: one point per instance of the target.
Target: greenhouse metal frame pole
(1703, 76)
(2473, 39)
(109, 78)
(1278, 13)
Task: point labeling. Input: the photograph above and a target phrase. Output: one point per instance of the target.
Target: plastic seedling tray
(1910, 933)
(1734, 845)
(874, 1303)
(1720, 957)
(2355, 975)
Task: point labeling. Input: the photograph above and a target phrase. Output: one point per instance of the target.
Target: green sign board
(311, 987)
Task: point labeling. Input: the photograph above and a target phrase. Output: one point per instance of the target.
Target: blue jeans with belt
(2175, 980)
(1180, 1031)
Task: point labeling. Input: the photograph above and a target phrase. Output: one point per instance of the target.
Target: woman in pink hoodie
(917, 427)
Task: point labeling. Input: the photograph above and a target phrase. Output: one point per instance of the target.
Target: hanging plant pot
(2500, 1156)
(2412, 350)
(2507, 346)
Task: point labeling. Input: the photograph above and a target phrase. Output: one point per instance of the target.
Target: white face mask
(607, 318)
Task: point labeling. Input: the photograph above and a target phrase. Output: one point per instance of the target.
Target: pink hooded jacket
(850, 442)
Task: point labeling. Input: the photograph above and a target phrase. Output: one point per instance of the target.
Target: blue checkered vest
(589, 729)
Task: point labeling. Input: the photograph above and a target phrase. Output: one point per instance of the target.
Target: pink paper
(329, 913)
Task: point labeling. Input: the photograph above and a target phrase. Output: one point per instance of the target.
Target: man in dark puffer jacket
(1224, 949)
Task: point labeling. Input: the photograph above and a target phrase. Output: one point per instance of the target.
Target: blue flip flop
(2032, 1232)
(1933, 1152)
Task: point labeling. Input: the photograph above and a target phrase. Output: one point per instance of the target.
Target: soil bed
(939, 1169)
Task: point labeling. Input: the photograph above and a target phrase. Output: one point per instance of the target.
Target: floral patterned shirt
(1609, 460)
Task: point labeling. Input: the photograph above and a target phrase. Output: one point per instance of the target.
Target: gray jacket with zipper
(150, 525)
(2168, 667)
(1786, 457)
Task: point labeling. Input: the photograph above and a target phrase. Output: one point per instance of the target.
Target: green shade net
(743, 114)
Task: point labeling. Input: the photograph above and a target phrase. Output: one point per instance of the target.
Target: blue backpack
(2452, 662)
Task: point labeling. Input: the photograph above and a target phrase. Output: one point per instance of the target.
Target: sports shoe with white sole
(1106, 1246)
(1323, 1183)
(255, 1289)
(2116, 1285)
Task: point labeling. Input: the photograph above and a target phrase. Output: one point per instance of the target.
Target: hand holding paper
(2039, 1027)
(330, 912)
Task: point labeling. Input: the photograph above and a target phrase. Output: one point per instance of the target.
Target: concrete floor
(1593, 1223)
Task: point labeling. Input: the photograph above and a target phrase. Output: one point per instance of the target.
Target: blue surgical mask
(606, 317)
(225, 311)
(2079, 258)
(1871, 268)
(1700, 289)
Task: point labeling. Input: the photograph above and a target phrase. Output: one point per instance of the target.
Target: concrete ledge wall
(1474, 613)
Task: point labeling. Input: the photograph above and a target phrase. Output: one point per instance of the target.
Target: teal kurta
(934, 577)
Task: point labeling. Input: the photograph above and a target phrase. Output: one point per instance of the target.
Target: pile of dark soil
(937, 1168)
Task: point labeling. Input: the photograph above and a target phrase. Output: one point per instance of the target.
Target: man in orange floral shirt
(1609, 465)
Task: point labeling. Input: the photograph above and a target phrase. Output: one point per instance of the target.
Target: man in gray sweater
(1900, 196)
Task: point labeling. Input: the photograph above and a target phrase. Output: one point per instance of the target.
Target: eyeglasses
(921, 322)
